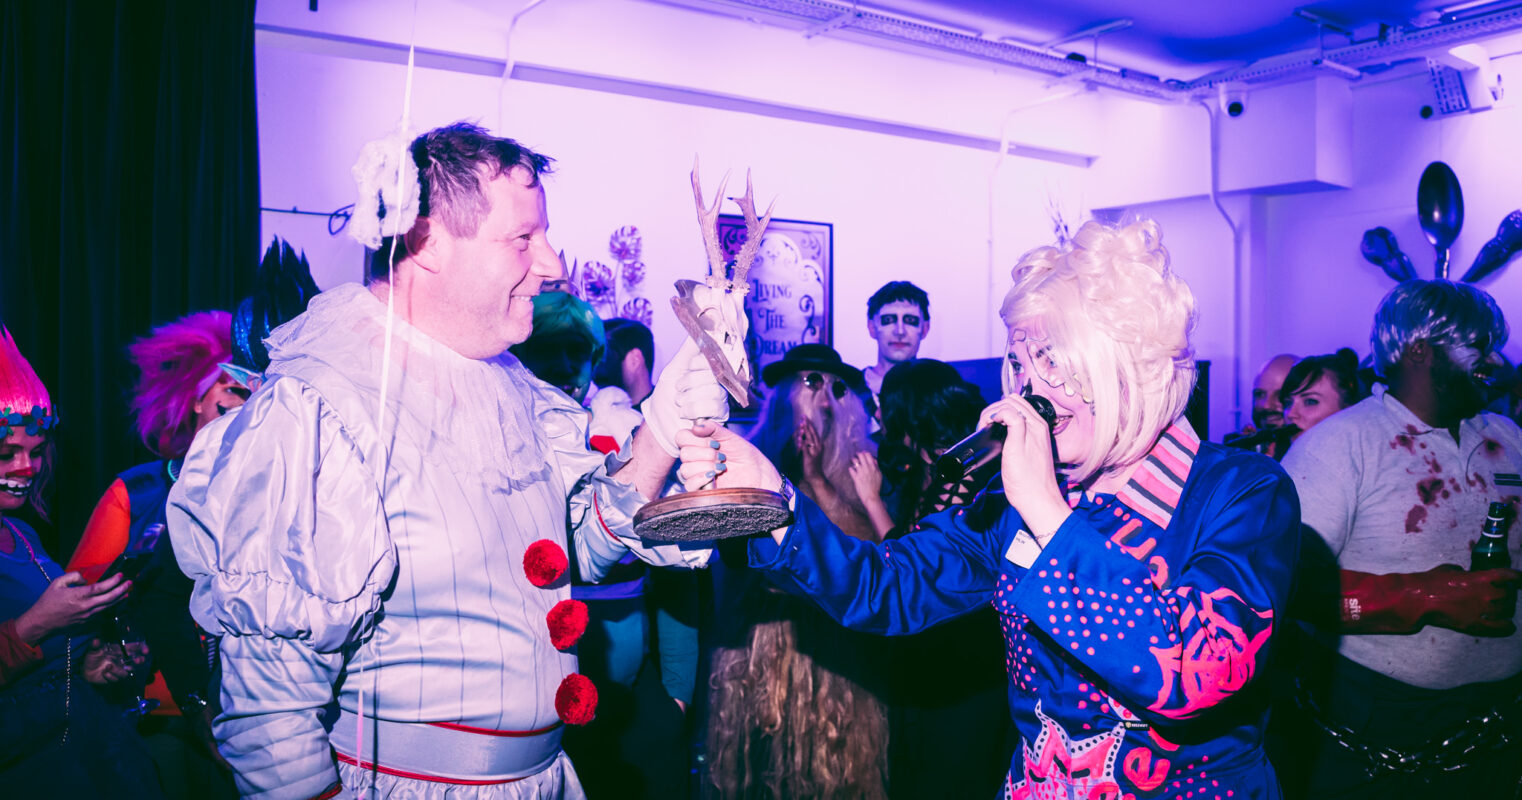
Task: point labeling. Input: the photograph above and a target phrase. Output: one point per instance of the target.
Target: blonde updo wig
(1118, 320)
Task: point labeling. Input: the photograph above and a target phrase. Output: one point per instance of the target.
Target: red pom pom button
(576, 700)
(568, 621)
(544, 562)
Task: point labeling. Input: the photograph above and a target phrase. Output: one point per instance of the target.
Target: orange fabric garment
(104, 539)
(105, 534)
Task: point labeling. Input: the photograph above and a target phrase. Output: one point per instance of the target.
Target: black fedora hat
(813, 358)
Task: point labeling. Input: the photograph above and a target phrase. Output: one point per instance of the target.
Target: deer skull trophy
(713, 312)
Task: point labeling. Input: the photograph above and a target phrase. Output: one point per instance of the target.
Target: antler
(754, 228)
(708, 223)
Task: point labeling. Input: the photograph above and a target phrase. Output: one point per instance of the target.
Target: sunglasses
(815, 381)
(246, 378)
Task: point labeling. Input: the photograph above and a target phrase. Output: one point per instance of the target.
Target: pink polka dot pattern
(1102, 623)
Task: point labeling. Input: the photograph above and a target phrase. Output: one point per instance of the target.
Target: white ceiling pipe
(1393, 46)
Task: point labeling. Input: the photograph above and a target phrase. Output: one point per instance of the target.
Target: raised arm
(906, 585)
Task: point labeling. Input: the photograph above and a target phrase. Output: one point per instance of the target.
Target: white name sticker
(1023, 550)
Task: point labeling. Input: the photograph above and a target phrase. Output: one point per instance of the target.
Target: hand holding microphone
(1028, 461)
(986, 443)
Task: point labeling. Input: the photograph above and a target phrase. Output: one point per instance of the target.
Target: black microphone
(986, 444)
(1280, 434)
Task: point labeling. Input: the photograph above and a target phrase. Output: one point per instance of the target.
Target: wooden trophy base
(712, 514)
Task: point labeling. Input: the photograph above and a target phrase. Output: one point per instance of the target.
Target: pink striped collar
(1156, 486)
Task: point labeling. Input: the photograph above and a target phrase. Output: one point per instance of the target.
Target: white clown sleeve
(600, 509)
(277, 519)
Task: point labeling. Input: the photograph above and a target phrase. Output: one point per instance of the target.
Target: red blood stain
(1414, 519)
(1402, 440)
(1411, 429)
(1492, 448)
(1428, 489)
(1476, 480)
(1433, 464)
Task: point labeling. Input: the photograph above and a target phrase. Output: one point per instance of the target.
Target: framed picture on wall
(790, 300)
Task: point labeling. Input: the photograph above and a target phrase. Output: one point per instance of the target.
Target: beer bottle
(1490, 551)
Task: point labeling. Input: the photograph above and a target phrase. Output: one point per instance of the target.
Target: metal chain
(68, 641)
(1476, 736)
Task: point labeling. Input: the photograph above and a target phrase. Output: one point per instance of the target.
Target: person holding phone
(182, 387)
(1141, 577)
(58, 738)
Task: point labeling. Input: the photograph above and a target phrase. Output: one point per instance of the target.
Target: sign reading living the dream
(789, 300)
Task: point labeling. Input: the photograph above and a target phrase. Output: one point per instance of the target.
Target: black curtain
(130, 134)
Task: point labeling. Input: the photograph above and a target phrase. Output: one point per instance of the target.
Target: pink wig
(179, 363)
(21, 390)
(26, 407)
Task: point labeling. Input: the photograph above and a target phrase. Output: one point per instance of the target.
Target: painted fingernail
(721, 468)
(714, 443)
(721, 457)
(709, 474)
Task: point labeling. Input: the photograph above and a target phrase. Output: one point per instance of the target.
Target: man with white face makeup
(898, 319)
(1398, 487)
(1139, 589)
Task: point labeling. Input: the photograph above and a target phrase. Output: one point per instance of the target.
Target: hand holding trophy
(713, 314)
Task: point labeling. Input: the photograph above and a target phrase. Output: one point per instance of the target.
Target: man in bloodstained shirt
(1428, 661)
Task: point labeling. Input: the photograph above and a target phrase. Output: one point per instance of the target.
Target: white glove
(687, 391)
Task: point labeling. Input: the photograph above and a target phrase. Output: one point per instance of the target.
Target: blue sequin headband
(34, 422)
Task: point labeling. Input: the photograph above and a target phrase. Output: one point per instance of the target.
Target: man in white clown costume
(381, 535)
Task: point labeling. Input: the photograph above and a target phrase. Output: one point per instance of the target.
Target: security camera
(1233, 98)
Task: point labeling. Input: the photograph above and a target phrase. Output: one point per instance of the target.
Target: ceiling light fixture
(1096, 30)
(1341, 69)
(831, 24)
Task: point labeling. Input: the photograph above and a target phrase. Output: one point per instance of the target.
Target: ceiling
(1170, 38)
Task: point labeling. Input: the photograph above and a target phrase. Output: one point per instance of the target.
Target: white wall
(902, 208)
(1325, 293)
(1304, 287)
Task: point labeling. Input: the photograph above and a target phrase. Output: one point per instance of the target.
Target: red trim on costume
(598, 509)
(603, 444)
(455, 726)
(330, 792)
(418, 776)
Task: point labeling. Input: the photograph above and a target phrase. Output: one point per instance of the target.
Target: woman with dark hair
(949, 735)
(926, 408)
(1318, 387)
(58, 738)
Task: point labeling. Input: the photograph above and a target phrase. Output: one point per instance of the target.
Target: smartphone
(128, 564)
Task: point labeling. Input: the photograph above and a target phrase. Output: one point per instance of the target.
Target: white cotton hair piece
(376, 174)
